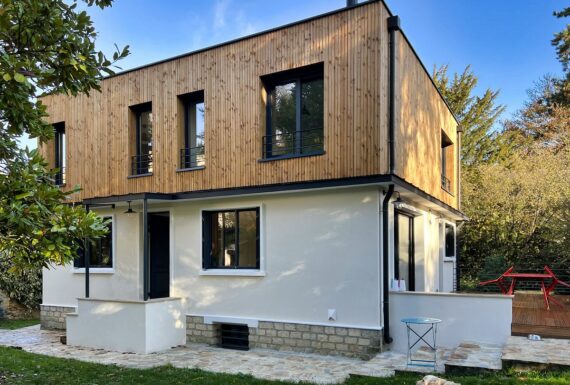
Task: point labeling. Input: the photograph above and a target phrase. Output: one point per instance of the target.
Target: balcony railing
(141, 164)
(192, 157)
(59, 177)
(445, 183)
(306, 142)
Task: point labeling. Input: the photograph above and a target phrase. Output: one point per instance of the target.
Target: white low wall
(127, 326)
(465, 317)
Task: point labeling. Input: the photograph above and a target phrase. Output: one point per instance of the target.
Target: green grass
(19, 367)
(12, 324)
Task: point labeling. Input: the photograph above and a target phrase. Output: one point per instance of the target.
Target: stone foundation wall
(53, 317)
(329, 340)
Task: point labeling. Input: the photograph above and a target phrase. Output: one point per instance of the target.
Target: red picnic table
(542, 277)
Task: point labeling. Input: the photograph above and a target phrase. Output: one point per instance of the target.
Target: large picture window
(295, 112)
(231, 239)
(101, 251)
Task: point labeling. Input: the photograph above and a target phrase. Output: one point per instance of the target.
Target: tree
(477, 115)
(561, 42)
(46, 46)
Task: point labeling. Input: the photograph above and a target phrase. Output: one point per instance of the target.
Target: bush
(24, 286)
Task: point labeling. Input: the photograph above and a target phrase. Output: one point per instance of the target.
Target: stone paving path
(474, 355)
(260, 363)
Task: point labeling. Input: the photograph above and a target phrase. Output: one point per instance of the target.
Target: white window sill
(95, 270)
(448, 259)
(233, 272)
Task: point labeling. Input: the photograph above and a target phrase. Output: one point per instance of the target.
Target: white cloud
(220, 10)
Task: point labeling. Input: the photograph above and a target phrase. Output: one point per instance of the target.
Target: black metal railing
(192, 157)
(305, 142)
(59, 177)
(522, 284)
(141, 164)
(445, 183)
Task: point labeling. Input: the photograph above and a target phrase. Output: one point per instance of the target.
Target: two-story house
(265, 192)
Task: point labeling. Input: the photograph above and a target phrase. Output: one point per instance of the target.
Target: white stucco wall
(63, 285)
(128, 326)
(466, 317)
(319, 251)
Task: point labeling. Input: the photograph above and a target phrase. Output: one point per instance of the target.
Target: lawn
(12, 324)
(19, 367)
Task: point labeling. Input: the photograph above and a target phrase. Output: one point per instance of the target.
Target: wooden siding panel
(421, 115)
(351, 44)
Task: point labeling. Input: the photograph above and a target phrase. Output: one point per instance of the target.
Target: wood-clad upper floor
(342, 57)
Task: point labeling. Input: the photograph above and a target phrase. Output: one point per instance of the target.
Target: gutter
(393, 27)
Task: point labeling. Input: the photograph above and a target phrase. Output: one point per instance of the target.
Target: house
(265, 192)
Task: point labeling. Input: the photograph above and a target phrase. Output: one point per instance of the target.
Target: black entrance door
(404, 262)
(159, 246)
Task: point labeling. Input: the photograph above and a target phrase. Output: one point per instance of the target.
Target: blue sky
(507, 42)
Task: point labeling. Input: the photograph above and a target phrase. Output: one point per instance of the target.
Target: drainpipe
(385, 278)
(393, 27)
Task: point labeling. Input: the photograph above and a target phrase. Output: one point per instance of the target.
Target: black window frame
(445, 240)
(445, 180)
(137, 167)
(207, 239)
(59, 152)
(299, 76)
(188, 153)
(96, 244)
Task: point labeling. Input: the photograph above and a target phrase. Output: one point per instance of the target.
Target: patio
(289, 366)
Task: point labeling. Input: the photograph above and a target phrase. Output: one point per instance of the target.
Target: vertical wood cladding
(352, 45)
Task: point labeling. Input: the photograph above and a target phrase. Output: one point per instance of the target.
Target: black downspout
(385, 278)
(393, 26)
(87, 256)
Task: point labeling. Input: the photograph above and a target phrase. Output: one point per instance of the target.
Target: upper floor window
(295, 112)
(231, 239)
(142, 156)
(192, 154)
(59, 153)
(101, 251)
(446, 161)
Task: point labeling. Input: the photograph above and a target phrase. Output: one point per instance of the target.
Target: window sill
(290, 156)
(448, 259)
(139, 175)
(95, 270)
(190, 169)
(233, 272)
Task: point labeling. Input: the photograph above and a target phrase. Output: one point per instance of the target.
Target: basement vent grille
(234, 336)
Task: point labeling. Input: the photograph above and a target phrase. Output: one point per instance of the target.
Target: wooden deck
(531, 317)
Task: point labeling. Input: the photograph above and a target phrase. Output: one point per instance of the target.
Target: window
(59, 155)
(446, 161)
(192, 155)
(449, 240)
(141, 162)
(231, 239)
(101, 251)
(295, 112)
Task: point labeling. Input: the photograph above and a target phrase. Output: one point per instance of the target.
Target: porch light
(130, 210)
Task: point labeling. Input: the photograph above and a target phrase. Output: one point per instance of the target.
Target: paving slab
(544, 353)
(475, 356)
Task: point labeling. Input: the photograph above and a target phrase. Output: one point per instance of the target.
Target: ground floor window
(231, 239)
(449, 240)
(101, 251)
(404, 260)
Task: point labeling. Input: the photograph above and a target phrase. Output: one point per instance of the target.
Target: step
(474, 357)
(524, 354)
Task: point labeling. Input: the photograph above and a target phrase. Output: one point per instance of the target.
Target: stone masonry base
(330, 340)
(53, 317)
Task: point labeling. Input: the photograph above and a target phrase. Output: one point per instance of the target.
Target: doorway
(159, 250)
(404, 261)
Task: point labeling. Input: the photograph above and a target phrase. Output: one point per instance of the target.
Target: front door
(404, 264)
(159, 247)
